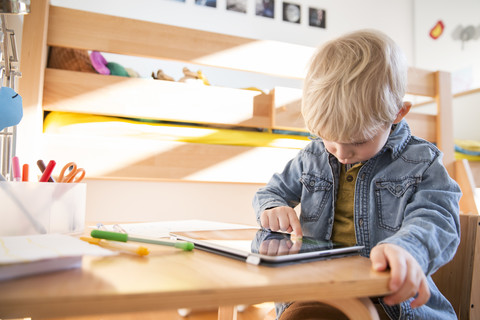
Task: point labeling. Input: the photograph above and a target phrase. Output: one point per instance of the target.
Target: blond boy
(365, 179)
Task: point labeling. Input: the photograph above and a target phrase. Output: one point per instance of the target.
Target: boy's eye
(358, 143)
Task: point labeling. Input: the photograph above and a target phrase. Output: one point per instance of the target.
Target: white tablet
(257, 246)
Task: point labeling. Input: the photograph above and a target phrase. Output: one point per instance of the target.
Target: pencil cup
(35, 208)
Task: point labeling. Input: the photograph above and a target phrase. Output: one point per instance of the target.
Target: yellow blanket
(88, 124)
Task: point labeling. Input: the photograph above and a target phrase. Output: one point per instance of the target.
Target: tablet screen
(279, 244)
(263, 245)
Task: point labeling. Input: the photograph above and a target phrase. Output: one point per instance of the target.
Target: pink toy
(99, 63)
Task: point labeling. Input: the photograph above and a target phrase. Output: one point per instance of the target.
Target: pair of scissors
(72, 175)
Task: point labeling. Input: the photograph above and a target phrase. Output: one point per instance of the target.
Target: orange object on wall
(437, 30)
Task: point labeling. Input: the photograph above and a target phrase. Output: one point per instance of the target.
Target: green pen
(117, 236)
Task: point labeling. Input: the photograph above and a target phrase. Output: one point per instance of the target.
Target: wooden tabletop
(169, 278)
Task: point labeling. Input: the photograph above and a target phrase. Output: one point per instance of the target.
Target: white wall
(466, 117)
(446, 53)
(141, 201)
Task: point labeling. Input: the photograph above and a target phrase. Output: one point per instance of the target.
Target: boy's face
(349, 153)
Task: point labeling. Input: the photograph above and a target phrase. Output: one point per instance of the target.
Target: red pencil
(48, 171)
(25, 172)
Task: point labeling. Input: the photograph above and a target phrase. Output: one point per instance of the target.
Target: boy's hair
(354, 86)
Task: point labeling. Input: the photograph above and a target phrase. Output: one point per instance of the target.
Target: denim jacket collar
(398, 139)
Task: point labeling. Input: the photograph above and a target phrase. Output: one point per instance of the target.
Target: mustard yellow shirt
(343, 225)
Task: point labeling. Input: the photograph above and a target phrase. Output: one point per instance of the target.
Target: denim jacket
(403, 196)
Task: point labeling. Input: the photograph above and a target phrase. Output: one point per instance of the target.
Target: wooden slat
(83, 92)
(227, 312)
(133, 156)
(287, 109)
(475, 294)
(466, 93)
(458, 280)
(421, 82)
(423, 125)
(34, 54)
(445, 136)
(475, 168)
(464, 177)
(92, 31)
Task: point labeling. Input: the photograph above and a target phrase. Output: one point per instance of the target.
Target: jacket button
(360, 222)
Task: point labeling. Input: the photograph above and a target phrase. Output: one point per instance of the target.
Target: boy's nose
(343, 153)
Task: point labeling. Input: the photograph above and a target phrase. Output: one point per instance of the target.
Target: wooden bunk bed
(45, 89)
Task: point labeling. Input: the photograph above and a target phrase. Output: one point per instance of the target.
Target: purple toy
(99, 63)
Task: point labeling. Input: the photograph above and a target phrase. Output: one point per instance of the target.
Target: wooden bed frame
(45, 89)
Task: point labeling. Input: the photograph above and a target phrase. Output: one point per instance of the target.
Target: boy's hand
(281, 219)
(279, 247)
(407, 279)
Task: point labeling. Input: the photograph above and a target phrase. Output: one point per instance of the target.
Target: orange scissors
(72, 175)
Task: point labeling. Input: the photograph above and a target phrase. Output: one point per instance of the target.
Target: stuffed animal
(102, 66)
(11, 111)
(70, 59)
(190, 76)
(161, 76)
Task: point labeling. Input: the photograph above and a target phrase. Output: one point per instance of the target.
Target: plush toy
(101, 65)
(132, 73)
(161, 76)
(11, 111)
(190, 76)
(70, 59)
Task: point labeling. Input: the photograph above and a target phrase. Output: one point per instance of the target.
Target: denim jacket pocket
(391, 198)
(316, 193)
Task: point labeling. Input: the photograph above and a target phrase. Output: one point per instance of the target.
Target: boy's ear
(403, 111)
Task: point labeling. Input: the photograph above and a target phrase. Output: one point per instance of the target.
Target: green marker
(117, 236)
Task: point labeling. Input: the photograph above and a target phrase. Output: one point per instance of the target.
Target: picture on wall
(291, 12)
(317, 18)
(207, 3)
(265, 8)
(237, 5)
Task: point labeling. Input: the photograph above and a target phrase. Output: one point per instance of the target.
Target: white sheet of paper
(34, 254)
(162, 229)
(21, 249)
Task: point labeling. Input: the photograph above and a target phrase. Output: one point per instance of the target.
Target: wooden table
(170, 279)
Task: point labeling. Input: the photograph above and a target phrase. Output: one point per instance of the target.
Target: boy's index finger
(295, 223)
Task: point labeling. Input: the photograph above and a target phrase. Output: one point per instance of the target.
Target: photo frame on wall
(317, 18)
(292, 12)
(265, 8)
(237, 5)
(207, 3)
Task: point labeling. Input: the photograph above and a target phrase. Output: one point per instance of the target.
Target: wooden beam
(464, 178)
(86, 30)
(421, 82)
(34, 54)
(445, 136)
